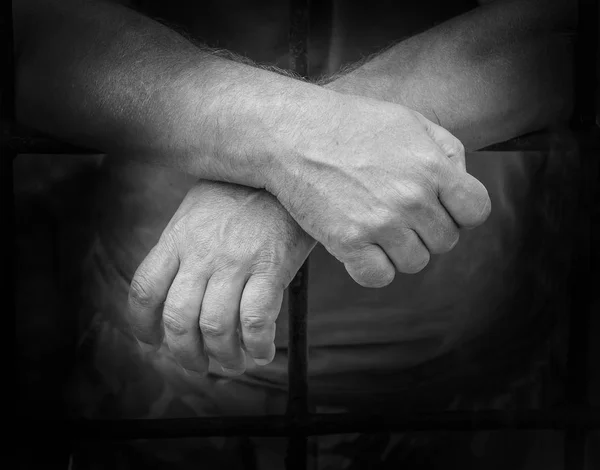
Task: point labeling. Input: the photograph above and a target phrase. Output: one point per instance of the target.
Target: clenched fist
(213, 284)
(380, 186)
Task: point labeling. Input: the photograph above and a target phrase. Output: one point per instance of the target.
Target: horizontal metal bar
(319, 424)
(36, 145)
(22, 141)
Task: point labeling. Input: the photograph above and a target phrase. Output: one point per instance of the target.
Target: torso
(472, 296)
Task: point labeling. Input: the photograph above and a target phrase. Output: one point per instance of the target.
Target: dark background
(53, 195)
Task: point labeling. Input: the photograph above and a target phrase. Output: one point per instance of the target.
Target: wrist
(254, 123)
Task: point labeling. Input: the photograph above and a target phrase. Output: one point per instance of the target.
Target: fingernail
(231, 371)
(262, 362)
(454, 243)
(194, 373)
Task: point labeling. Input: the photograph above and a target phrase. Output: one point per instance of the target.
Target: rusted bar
(297, 405)
(574, 453)
(320, 424)
(586, 63)
(580, 309)
(534, 142)
(7, 111)
(585, 80)
(7, 97)
(298, 36)
(25, 141)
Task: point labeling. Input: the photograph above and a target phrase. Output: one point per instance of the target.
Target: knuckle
(175, 230)
(174, 322)
(414, 197)
(141, 293)
(452, 146)
(351, 238)
(267, 262)
(459, 147)
(212, 328)
(384, 219)
(170, 239)
(254, 323)
(431, 163)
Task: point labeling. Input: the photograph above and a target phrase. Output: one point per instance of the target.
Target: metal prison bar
(575, 417)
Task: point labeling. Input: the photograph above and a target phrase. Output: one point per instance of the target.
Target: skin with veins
(192, 290)
(353, 330)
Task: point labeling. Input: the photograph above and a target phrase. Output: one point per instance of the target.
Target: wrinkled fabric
(480, 327)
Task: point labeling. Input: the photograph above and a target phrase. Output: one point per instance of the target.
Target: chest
(341, 31)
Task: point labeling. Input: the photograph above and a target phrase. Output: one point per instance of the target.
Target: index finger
(148, 292)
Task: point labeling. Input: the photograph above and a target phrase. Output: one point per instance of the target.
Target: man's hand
(380, 186)
(223, 261)
(229, 252)
(370, 180)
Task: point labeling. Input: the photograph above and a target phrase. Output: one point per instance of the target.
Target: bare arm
(98, 74)
(492, 74)
(102, 75)
(486, 112)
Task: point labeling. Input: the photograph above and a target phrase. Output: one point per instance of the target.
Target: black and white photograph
(301, 234)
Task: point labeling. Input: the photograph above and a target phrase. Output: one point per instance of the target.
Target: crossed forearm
(105, 76)
(101, 75)
(222, 222)
(489, 75)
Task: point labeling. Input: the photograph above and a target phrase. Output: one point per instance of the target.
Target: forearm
(103, 76)
(489, 75)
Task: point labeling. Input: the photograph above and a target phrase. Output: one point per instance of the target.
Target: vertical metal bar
(7, 113)
(6, 164)
(586, 55)
(299, 15)
(297, 406)
(7, 104)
